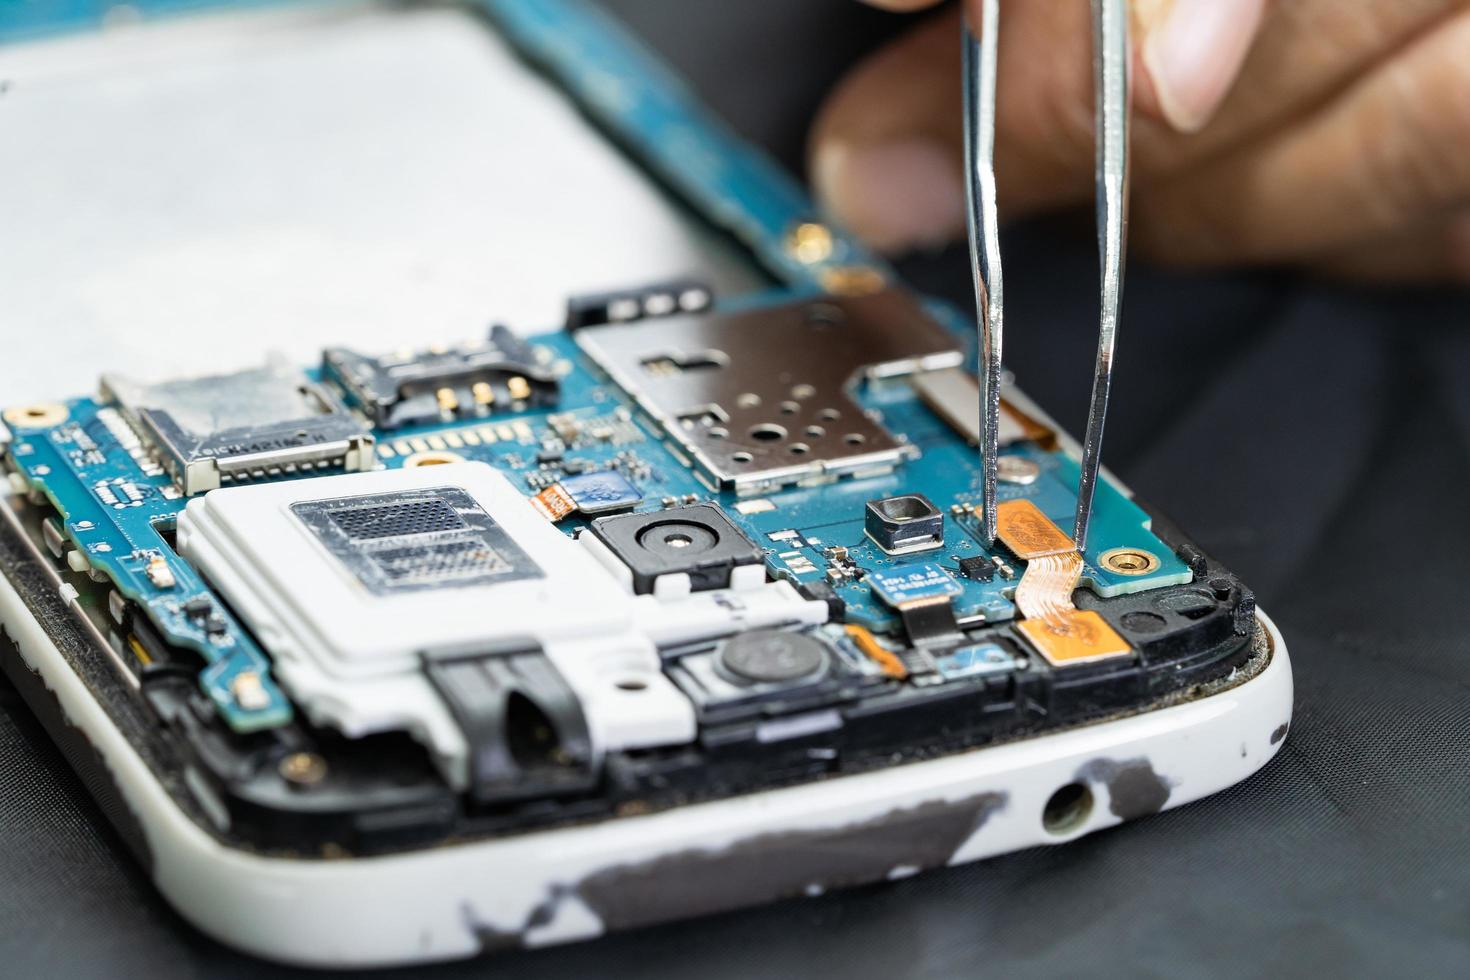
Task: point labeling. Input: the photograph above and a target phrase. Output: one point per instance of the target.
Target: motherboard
(671, 551)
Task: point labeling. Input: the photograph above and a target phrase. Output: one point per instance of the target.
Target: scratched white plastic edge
(436, 904)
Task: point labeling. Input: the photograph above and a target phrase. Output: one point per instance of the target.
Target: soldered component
(159, 573)
(248, 691)
(978, 568)
(841, 566)
(442, 384)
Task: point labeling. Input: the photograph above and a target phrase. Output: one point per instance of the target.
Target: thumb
(886, 153)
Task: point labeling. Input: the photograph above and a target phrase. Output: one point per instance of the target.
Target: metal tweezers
(1110, 63)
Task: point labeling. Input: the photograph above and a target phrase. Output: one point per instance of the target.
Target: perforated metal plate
(760, 398)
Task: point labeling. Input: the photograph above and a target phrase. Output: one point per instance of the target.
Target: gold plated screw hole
(39, 416)
(810, 243)
(431, 459)
(1130, 561)
(303, 769)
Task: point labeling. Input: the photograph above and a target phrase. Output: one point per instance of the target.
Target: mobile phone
(662, 593)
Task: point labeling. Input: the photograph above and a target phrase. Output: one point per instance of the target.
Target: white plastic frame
(561, 885)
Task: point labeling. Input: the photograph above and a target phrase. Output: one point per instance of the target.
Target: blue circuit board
(118, 510)
(119, 515)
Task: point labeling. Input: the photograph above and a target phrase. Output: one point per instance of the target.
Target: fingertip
(1192, 52)
(885, 155)
(897, 196)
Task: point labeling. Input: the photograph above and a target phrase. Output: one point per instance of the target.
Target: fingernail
(1193, 54)
(895, 196)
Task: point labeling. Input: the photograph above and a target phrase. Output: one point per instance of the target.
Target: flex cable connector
(1050, 623)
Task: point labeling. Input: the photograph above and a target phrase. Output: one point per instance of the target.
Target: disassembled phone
(412, 651)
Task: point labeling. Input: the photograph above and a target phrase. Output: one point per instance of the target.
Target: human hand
(1327, 134)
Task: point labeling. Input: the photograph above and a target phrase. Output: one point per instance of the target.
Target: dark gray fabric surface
(1314, 437)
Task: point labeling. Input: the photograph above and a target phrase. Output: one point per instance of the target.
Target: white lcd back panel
(179, 196)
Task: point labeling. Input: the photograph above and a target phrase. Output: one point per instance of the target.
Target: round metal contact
(41, 415)
(431, 459)
(1016, 469)
(303, 769)
(772, 657)
(810, 243)
(1129, 561)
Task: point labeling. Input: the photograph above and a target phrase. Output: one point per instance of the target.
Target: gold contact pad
(1081, 636)
(1028, 533)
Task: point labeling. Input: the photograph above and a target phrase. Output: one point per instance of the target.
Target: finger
(886, 154)
(885, 151)
(1385, 154)
(1305, 52)
(903, 5)
(887, 159)
(1437, 253)
(1193, 50)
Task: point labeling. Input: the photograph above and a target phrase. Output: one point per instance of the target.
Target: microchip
(588, 493)
(912, 583)
(978, 567)
(252, 425)
(601, 492)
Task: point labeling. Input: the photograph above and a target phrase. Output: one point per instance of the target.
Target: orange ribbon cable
(1056, 628)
